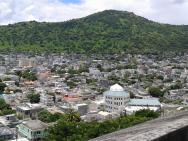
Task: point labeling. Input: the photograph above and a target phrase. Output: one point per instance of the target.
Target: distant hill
(109, 31)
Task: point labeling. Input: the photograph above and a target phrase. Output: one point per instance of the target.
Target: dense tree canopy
(47, 117)
(71, 129)
(147, 113)
(29, 75)
(178, 85)
(155, 92)
(2, 87)
(34, 98)
(104, 32)
(5, 109)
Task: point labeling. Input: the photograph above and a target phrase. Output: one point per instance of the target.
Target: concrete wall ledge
(171, 128)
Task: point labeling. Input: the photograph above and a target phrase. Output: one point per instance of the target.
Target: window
(38, 132)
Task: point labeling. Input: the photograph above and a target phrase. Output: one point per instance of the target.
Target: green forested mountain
(105, 32)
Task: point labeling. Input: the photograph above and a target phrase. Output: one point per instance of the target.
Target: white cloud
(165, 11)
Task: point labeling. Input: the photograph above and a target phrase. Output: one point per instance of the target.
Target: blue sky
(71, 1)
(163, 11)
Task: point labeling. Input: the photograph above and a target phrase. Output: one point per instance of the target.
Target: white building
(27, 62)
(140, 104)
(46, 99)
(3, 69)
(94, 72)
(28, 110)
(116, 99)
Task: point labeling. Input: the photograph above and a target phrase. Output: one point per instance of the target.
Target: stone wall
(171, 128)
(178, 135)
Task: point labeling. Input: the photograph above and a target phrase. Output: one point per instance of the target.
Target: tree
(155, 92)
(134, 40)
(34, 98)
(178, 85)
(7, 79)
(67, 129)
(19, 74)
(29, 75)
(72, 116)
(160, 77)
(147, 113)
(99, 66)
(2, 87)
(5, 109)
(132, 95)
(17, 83)
(71, 84)
(113, 78)
(83, 69)
(47, 117)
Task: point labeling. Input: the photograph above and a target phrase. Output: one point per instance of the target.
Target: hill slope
(105, 32)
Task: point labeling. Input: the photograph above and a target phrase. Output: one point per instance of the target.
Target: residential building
(47, 99)
(29, 110)
(6, 133)
(82, 109)
(33, 130)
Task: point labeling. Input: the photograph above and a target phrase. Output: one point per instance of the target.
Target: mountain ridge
(109, 31)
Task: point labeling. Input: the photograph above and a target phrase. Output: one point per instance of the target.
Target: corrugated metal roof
(5, 131)
(145, 102)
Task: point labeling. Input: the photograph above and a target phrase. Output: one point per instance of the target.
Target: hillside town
(97, 87)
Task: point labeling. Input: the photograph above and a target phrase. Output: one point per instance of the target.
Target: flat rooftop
(35, 124)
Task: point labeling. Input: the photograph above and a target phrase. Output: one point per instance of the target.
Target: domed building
(116, 99)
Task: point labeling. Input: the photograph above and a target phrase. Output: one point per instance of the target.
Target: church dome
(116, 88)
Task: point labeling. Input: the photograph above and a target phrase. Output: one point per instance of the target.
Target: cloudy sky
(164, 11)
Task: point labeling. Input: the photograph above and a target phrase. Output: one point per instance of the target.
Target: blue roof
(116, 93)
(145, 102)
